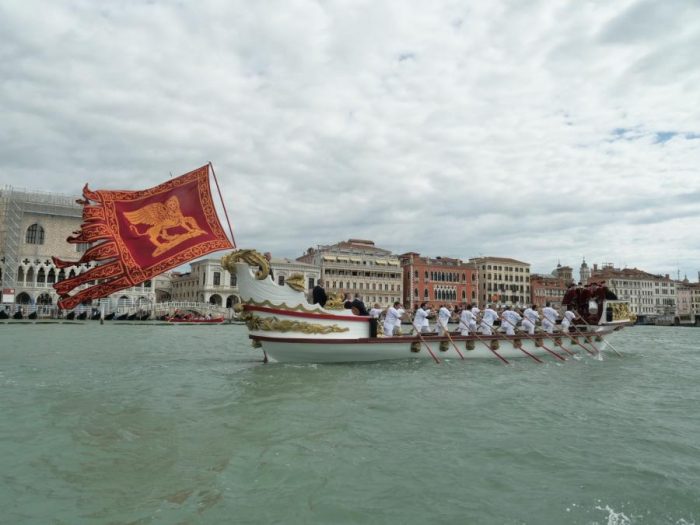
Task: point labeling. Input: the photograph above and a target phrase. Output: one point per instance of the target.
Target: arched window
(35, 234)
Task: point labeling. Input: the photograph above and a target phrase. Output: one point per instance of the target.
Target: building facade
(649, 295)
(34, 226)
(547, 289)
(206, 282)
(439, 280)
(283, 269)
(502, 281)
(358, 266)
(584, 272)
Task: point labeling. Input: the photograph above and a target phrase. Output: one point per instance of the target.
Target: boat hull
(313, 350)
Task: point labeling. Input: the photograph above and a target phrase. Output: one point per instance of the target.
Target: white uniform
(569, 317)
(475, 316)
(392, 314)
(420, 320)
(375, 312)
(530, 319)
(487, 320)
(443, 318)
(549, 319)
(510, 321)
(466, 319)
(397, 327)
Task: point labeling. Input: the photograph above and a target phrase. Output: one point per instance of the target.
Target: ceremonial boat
(289, 329)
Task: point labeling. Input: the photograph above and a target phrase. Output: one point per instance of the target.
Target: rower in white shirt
(487, 319)
(531, 316)
(420, 319)
(568, 319)
(549, 318)
(444, 315)
(509, 320)
(466, 319)
(392, 315)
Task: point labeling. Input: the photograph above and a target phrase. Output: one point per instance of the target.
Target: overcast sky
(544, 131)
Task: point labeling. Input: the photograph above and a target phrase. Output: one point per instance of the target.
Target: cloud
(535, 130)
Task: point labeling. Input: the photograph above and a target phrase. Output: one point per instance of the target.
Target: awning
(381, 261)
(355, 259)
(342, 258)
(394, 263)
(329, 257)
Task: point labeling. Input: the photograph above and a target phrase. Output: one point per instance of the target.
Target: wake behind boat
(288, 328)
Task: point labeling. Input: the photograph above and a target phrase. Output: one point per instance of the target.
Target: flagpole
(233, 239)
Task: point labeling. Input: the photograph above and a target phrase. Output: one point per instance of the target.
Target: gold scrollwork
(273, 324)
(296, 282)
(251, 257)
(335, 302)
(621, 312)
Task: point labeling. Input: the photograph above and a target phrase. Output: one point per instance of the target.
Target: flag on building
(137, 235)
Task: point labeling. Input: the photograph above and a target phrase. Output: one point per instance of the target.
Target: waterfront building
(564, 273)
(439, 280)
(502, 281)
(358, 266)
(650, 296)
(551, 288)
(584, 272)
(283, 269)
(34, 226)
(695, 299)
(206, 282)
(684, 302)
(547, 289)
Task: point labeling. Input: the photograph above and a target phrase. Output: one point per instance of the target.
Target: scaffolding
(14, 203)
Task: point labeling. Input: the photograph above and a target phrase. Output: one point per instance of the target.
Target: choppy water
(152, 424)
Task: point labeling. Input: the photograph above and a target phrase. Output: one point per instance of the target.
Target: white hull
(383, 349)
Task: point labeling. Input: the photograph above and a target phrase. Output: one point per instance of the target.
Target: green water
(174, 424)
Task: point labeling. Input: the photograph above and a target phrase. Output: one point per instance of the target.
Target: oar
(604, 340)
(444, 329)
(505, 361)
(423, 340)
(578, 332)
(560, 346)
(543, 346)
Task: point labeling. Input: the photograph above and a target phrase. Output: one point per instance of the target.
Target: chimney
(595, 268)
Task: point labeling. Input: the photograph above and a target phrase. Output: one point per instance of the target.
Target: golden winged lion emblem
(160, 217)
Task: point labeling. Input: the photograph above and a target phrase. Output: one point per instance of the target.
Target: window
(35, 234)
(234, 280)
(280, 280)
(217, 278)
(311, 282)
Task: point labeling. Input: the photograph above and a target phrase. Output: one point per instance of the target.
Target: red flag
(141, 234)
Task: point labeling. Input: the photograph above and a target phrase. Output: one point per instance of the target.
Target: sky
(545, 131)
